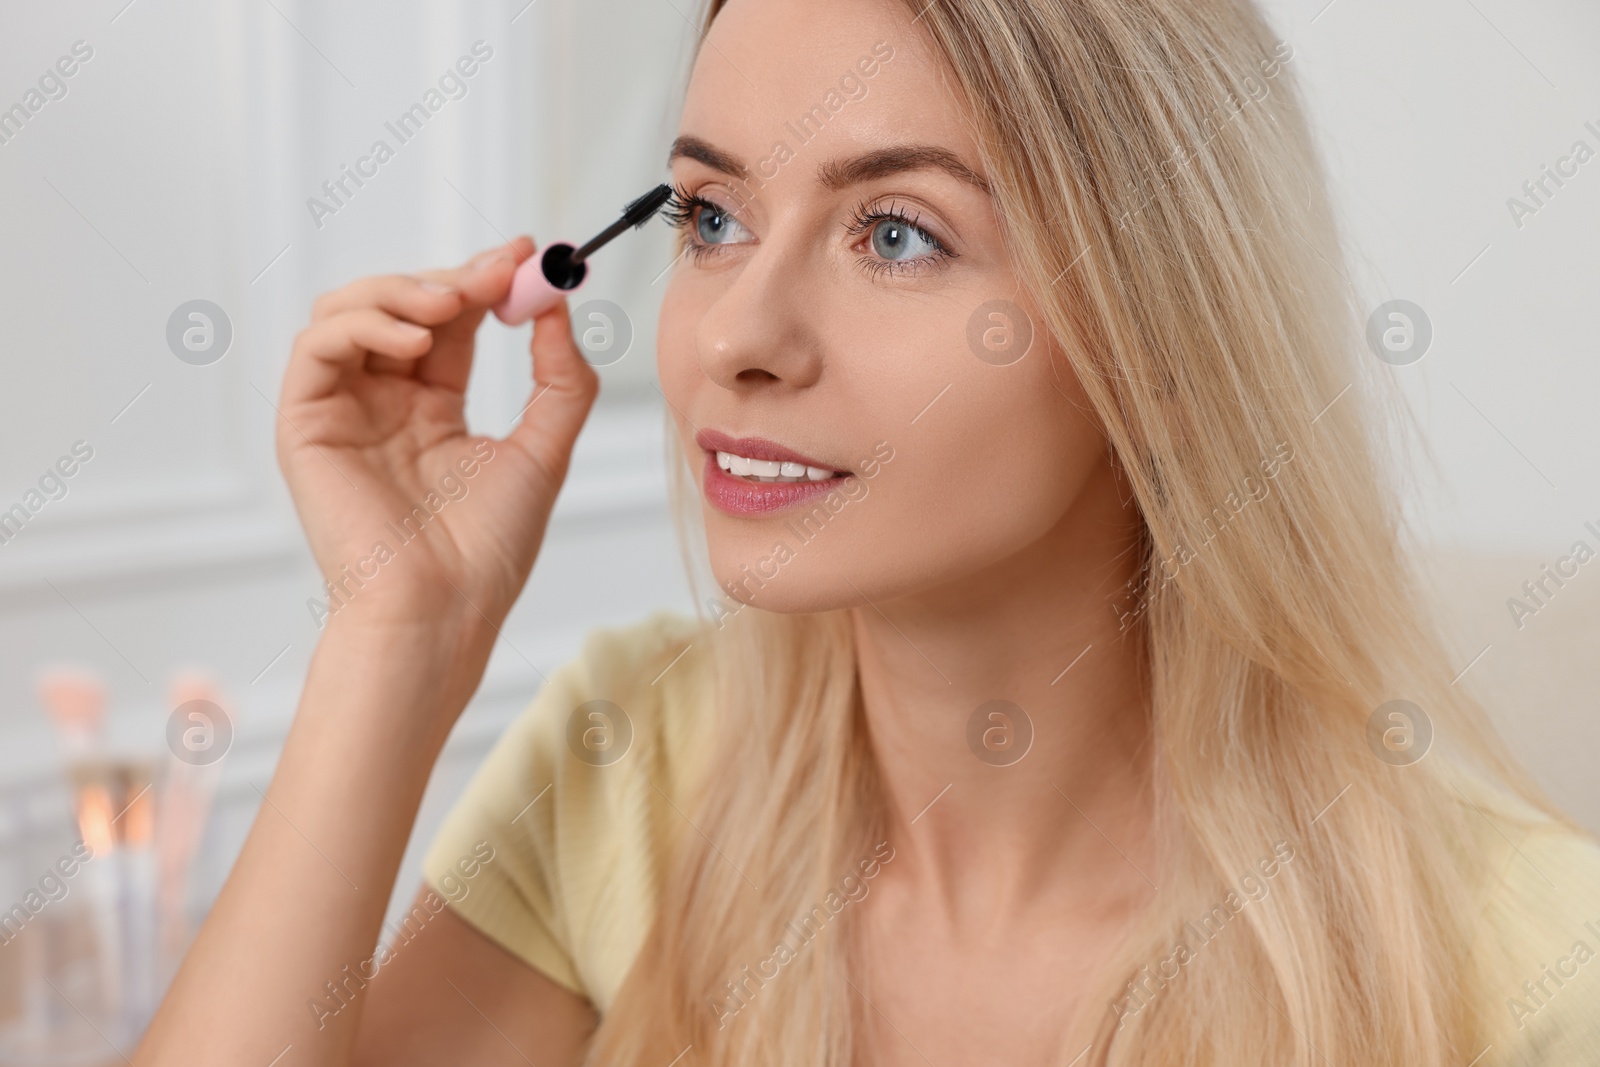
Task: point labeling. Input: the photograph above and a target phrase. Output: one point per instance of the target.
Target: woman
(1066, 699)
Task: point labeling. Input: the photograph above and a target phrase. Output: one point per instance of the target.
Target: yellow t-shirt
(581, 843)
(584, 800)
(1540, 890)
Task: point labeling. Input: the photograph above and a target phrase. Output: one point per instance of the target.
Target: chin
(772, 569)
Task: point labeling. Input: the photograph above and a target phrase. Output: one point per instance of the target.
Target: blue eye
(705, 223)
(711, 225)
(897, 240)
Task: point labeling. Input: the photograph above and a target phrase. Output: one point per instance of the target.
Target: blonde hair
(1165, 208)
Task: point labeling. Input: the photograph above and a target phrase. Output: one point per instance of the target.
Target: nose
(760, 332)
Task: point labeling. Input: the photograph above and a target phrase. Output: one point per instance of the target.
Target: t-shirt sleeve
(506, 807)
(1545, 1006)
(574, 802)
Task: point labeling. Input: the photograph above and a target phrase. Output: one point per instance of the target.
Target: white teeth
(771, 470)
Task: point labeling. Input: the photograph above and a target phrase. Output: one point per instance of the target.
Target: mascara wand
(637, 213)
(541, 281)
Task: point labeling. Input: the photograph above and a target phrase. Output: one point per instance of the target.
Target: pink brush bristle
(76, 701)
(186, 798)
(192, 685)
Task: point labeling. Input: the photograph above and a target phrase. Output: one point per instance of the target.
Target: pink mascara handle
(539, 283)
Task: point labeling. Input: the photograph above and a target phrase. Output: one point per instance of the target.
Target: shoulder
(634, 694)
(629, 659)
(637, 699)
(582, 801)
(1539, 939)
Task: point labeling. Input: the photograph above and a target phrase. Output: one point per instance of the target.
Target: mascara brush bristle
(635, 214)
(644, 209)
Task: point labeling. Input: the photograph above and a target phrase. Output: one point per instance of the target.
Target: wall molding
(617, 470)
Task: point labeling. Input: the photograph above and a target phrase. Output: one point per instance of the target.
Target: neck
(981, 810)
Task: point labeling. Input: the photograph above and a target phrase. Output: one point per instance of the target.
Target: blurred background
(154, 627)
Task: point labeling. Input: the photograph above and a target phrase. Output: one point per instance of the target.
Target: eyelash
(679, 212)
(679, 208)
(682, 204)
(864, 218)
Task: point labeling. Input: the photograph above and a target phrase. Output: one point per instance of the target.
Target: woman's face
(846, 304)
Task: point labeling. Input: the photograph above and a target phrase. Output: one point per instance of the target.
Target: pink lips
(736, 496)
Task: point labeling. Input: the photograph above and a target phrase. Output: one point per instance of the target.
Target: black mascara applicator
(543, 279)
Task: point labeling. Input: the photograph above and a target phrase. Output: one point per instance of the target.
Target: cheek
(984, 473)
(677, 366)
(675, 333)
(985, 460)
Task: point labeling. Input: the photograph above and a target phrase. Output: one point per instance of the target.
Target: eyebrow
(688, 147)
(842, 173)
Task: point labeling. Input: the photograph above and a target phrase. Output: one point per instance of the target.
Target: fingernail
(493, 258)
(435, 287)
(414, 331)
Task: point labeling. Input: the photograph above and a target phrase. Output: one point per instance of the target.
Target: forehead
(835, 75)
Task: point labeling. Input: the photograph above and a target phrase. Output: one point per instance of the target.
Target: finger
(326, 350)
(427, 296)
(430, 301)
(416, 299)
(455, 341)
(564, 388)
(483, 281)
(486, 277)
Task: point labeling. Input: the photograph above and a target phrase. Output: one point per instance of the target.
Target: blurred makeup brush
(76, 701)
(187, 791)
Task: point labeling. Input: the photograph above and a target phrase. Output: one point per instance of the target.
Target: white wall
(179, 163)
(178, 166)
(1431, 115)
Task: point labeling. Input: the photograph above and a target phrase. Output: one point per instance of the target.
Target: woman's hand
(371, 438)
(412, 519)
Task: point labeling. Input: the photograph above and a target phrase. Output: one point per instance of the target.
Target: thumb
(564, 388)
